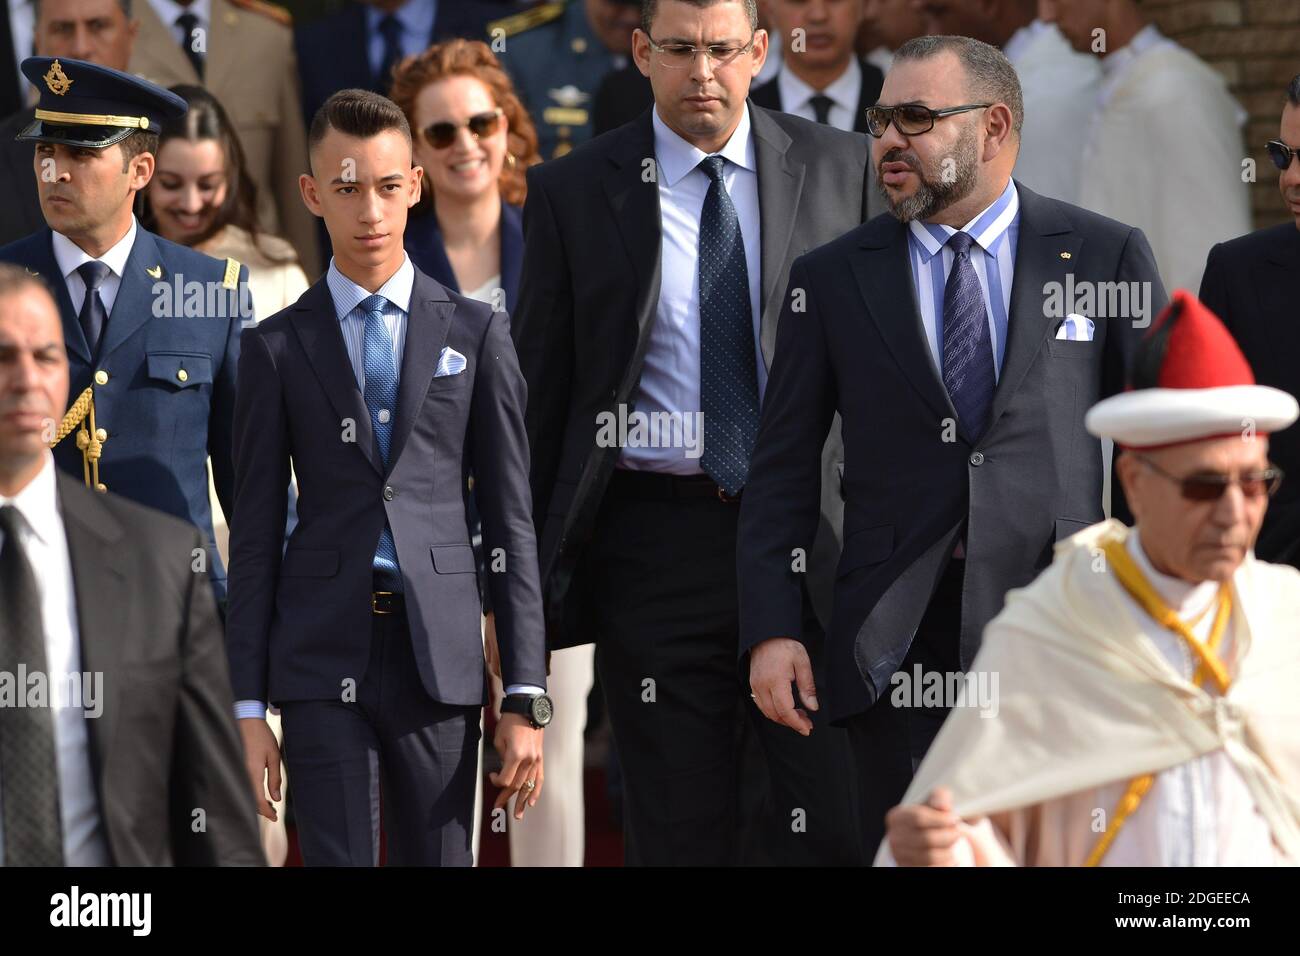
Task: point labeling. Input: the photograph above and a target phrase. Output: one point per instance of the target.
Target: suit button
(977, 459)
(183, 375)
(101, 377)
(389, 492)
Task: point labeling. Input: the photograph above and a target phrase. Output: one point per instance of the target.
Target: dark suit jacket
(1034, 478)
(20, 213)
(299, 625)
(1250, 283)
(769, 94)
(165, 743)
(161, 430)
(622, 96)
(588, 295)
(423, 242)
(332, 51)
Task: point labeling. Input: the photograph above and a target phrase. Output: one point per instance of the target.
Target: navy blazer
(168, 400)
(424, 246)
(332, 51)
(298, 622)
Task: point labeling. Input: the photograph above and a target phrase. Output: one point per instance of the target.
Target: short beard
(932, 195)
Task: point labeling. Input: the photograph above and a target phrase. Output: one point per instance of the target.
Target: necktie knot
(712, 167)
(821, 105)
(373, 305)
(93, 273)
(9, 522)
(961, 243)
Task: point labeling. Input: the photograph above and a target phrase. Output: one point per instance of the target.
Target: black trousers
(663, 574)
(889, 741)
(389, 739)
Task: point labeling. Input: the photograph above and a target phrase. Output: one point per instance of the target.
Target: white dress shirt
(670, 377)
(45, 543)
(69, 257)
(796, 96)
(22, 27)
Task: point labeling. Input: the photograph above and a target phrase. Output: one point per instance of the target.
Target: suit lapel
(426, 332)
(868, 93)
(884, 276)
(317, 327)
(634, 200)
(780, 184)
(74, 339)
(222, 44)
(1046, 249)
(512, 252)
(99, 586)
(132, 307)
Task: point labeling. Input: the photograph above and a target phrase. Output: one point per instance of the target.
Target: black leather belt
(653, 486)
(387, 602)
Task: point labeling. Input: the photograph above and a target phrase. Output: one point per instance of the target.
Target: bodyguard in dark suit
(63, 29)
(151, 327)
(1251, 284)
(135, 762)
(824, 80)
(654, 261)
(385, 391)
(953, 340)
(357, 47)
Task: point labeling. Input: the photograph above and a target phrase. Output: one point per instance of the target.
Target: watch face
(542, 710)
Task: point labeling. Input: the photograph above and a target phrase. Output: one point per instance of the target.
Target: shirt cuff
(530, 689)
(250, 708)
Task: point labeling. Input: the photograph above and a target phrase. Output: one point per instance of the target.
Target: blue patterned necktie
(967, 346)
(728, 363)
(381, 400)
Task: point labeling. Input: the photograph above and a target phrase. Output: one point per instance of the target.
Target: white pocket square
(1075, 328)
(450, 362)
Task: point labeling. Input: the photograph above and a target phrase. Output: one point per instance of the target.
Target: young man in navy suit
(385, 392)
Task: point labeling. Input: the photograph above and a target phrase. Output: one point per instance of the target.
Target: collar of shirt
(1023, 39)
(169, 10)
(38, 503)
(70, 256)
(676, 157)
(416, 17)
(986, 228)
(844, 91)
(348, 295)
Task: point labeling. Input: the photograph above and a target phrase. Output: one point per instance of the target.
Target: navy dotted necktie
(728, 362)
(93, 315)
(381, 400)
(967, 345)
(29, 774)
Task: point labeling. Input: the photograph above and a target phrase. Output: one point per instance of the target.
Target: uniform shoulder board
(526, 19)
(231, 279)
(276, 12)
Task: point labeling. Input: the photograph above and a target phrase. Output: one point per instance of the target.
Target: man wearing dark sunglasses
(961, 391)
(1150, 673)
(1250, 283)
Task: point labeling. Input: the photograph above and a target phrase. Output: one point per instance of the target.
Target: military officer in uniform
(247, 61)
(151, 328)
(557, 54)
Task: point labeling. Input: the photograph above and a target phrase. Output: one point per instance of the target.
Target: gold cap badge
(58, 81)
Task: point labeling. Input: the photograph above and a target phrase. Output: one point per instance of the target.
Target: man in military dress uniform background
(557, 54)
(150, 326)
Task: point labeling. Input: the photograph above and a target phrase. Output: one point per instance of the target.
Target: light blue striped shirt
(993, 254)
(347, 295)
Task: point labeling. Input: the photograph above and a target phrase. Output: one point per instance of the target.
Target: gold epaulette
(231, 278)
(272, 10)
(526, 19)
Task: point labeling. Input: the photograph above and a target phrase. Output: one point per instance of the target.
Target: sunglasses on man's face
(1211, 487)
(442, 135)
(1280, 153)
